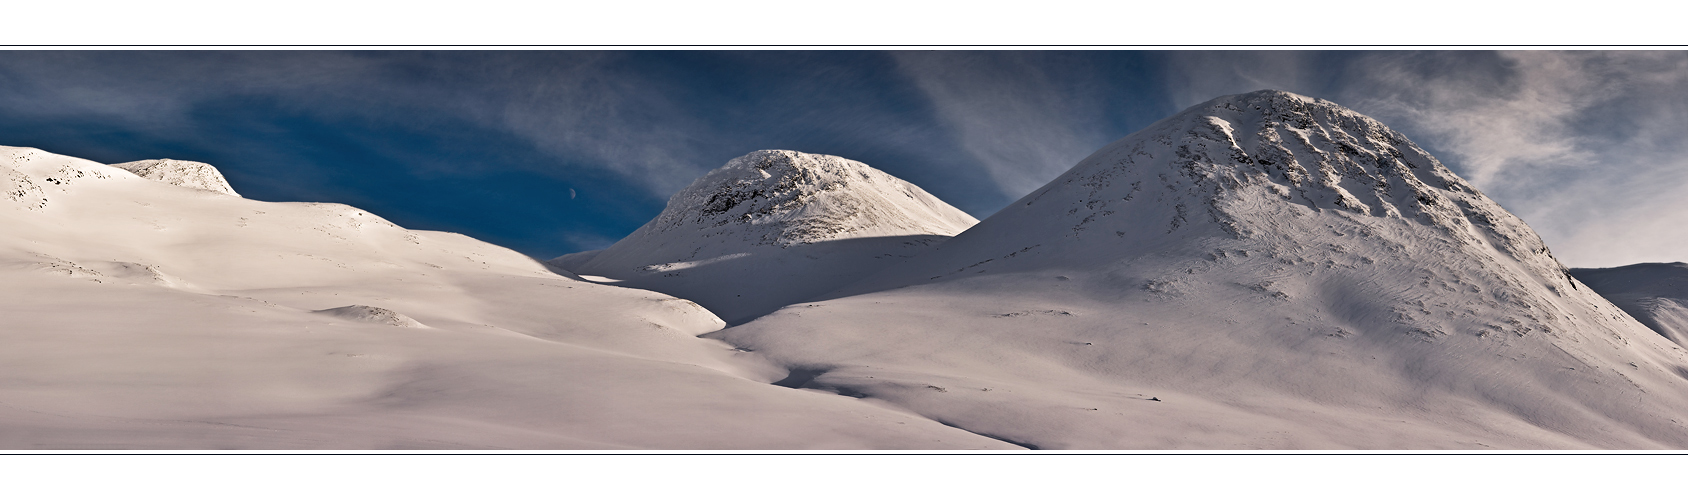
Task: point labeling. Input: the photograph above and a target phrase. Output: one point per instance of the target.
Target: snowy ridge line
(189, 174)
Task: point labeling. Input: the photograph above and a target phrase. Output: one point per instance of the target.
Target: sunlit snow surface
(140, 314)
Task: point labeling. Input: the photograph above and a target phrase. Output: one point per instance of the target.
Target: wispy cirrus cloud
(160, 89)
(1026, 117)
(1194, 77)
(587, 107)
(579, 106)
(1585, 146)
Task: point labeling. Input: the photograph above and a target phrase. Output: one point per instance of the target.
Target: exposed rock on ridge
(28, 174)
(191, 174)
(793, 198)
(372, 314)
(1232, 151)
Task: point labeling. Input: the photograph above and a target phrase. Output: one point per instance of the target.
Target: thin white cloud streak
(1196, 77)
(159, 90)
(1023, 121)
(587, 240)
(623, 121)
(1027, 117)
(1585, 146)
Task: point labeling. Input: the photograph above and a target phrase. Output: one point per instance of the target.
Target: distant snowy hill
(1263, 270)
(191, 174)
(142, 314)
(1655, 293)
(771, 228)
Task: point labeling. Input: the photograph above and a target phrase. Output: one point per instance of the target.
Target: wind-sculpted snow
(774, 227)
(190, 174)
(1261, 270)
(1654, 293)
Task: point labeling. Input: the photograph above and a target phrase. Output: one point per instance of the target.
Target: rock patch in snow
(372, 314)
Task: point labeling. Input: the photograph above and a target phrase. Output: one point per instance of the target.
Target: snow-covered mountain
(1261, 270)
(1655, 293)
(772, 228)
(142, 314)
(191, 174)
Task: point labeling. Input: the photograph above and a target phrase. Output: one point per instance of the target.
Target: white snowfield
(772, 228)
(1263, 270)
(140, 314)
(1654, 293)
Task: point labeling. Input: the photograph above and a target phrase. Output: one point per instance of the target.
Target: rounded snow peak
(1242, 165)
(791, 197)
(188, 174)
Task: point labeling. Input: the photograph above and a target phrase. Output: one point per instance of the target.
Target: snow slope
(1263, 270)
(141, 314)
(1654, 293)
(771, 228)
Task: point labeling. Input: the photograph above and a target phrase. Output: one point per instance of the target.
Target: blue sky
(550, 152)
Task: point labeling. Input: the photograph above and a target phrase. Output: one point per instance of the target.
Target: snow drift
(1262, 270)
(772, 228)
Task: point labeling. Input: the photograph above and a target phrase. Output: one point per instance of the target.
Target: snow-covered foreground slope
(1654, 293)
(1263, 270)
(774, 227)
(141, 314)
